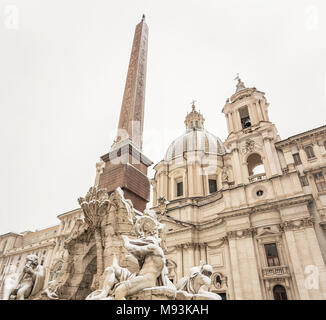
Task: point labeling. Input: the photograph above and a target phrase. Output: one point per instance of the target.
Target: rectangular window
(272, 255)
(212, 185)
(304, 181)
(179, 189)
(297, 159)
(310, 152)
(320, 181)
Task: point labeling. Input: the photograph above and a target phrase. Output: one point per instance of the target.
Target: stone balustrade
(275, 272)
(257, 177)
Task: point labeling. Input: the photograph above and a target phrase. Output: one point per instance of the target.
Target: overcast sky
(63, 66)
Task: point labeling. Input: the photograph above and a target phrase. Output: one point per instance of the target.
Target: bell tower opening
(244, 117)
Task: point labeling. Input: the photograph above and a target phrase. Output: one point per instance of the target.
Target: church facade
(253, 206)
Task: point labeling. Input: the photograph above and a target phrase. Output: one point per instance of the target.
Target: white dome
(194, 140)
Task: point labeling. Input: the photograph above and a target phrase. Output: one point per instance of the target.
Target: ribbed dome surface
(194, 140)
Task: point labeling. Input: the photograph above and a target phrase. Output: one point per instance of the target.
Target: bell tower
(125, 165)
(246, 110)
(251, 135)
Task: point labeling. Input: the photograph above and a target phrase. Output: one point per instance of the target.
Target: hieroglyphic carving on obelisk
(132, 110)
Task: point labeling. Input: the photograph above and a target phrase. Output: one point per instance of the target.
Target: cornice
(314, 168)
(199, 245)
(302, 136)
(243, 233)
(127, 149)
(251, 232)
(245, 93)
(29, 248)
(193, 201)
(267, 206)
(222, 216)
(11, 234)
(297, 224)
(185, 229)
(211, 224)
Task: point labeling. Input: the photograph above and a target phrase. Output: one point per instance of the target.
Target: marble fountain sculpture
(28, 283)
(114, 253)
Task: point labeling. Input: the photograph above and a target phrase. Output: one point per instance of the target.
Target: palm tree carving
(95, 206)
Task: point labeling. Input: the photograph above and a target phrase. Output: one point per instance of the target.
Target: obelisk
(125, 164)
(132, 110)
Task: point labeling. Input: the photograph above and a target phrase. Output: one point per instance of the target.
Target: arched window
(279, 293)
(255, 164)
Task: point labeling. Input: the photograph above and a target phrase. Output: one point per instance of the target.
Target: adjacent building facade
(252, 206)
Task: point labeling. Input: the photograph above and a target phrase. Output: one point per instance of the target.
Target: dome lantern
(194, 120)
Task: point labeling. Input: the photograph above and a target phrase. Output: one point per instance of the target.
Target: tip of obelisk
(143, 17)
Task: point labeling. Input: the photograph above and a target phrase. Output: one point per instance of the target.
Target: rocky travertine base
(155, 293)
(183, 295)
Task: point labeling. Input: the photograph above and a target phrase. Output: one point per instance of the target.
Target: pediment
(267, 232)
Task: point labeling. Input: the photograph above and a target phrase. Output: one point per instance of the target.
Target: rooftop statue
(195, 286)
(29, 283)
